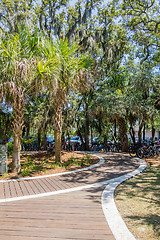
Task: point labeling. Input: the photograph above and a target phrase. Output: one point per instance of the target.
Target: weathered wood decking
(73, 215)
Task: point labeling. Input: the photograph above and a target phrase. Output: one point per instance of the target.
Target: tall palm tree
(17, 74)
(58, 70)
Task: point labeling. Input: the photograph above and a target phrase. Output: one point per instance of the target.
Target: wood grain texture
(73, 215)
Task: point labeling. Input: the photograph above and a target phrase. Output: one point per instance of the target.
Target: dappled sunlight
(138, 200)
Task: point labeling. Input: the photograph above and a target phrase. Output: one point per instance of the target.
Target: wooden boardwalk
(72, 215)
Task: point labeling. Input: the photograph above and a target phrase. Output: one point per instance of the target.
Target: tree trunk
(153, 129)
(140, 132)
(86, 128)
(18, 108)
(144, 132)
(123, 134)
(45, 136)
(57, 135)
(16, 154)
(39, 138)
(23, 132)
(115, 129)
(113, 135)
(132, 133)
(81, 137)
(28, 130)
(59, 100)
(91, 135)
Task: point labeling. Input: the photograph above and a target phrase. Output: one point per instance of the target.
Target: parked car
(75, 143)
(50, 140)
(76, 140)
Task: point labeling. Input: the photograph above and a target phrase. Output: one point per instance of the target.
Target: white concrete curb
(113, 217)
(101, 161)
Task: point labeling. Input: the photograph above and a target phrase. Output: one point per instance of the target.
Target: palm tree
(17, 74)
(59, 68)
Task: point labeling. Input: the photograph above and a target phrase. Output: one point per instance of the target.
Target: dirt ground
(43, 163)
(155, 162)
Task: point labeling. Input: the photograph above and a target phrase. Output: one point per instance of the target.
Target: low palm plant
(16, 78)
(59, 70)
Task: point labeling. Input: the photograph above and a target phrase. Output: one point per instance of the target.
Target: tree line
(90, 67)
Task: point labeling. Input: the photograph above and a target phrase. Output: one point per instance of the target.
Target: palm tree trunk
(57, 145)
(18, 122)
(58, 104)
(16, 154)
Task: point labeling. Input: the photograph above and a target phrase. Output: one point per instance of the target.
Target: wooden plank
(78, 179)
(63, 183)
(51, 184)
(48, 184)
(66, 183)
(43, 184)
(20, 222)
(38, 185)
(29, 187)
(74, 215)
(59, 233)
(18, 189)
(23, 188)
(2, 190)
(7, 192)
(32, 187)
(13, 190)
(57, 183)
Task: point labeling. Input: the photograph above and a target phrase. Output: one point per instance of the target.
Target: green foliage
(142, 18)
(107, 53)
(87, 159)
(74, 161)
(15, 13)
(25, 172)
(10, 148)
(31, 165)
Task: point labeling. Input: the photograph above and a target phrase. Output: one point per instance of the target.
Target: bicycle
(100, 148)
(133, 148)
(148, 151)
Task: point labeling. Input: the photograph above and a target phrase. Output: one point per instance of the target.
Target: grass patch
(138, 201)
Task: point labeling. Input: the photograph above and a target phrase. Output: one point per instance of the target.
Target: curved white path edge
(101, 161)
(113, 217)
